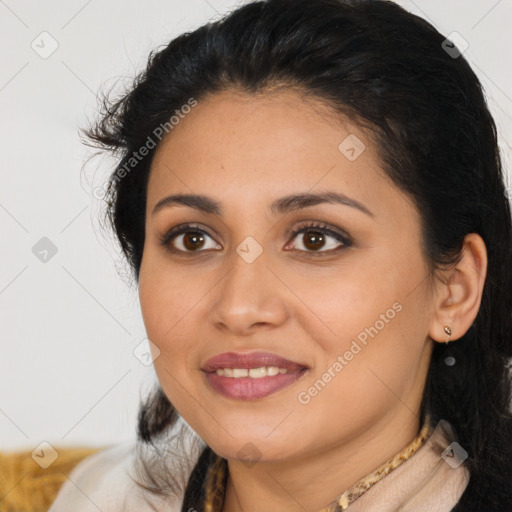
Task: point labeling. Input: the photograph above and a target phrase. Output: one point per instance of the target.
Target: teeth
(254, 373)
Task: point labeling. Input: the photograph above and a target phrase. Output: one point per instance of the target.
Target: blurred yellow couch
(27, 487)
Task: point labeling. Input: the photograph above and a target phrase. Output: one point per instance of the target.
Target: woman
(311, 199)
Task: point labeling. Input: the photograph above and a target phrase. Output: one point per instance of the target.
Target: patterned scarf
(216, 476)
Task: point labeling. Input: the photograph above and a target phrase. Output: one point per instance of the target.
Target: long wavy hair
(389, 71)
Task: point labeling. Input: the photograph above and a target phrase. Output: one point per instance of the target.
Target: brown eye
(320, 239)
(313, 240)
(187, 239)
(193, 240)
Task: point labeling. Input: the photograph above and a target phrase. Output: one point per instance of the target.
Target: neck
(311, 483)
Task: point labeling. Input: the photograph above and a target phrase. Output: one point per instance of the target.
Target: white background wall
(69, 325)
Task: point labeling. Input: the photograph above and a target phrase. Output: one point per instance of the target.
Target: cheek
(351, 303)
(173, 304)
(172, 299)
(369, 319)
(167, 299)
(167, 303)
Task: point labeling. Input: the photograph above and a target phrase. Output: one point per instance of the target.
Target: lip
(247, 388)
(250, 360)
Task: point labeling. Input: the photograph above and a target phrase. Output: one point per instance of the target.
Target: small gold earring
(448, 331)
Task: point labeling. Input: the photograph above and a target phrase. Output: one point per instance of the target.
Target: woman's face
(348, 310)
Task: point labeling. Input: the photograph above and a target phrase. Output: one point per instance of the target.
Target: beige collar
(432, 479)
(426, 476)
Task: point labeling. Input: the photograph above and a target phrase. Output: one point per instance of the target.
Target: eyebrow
(282, 205)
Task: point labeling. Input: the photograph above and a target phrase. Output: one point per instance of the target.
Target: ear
(459, 291)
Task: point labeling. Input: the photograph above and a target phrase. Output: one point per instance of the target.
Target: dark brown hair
(389, 71)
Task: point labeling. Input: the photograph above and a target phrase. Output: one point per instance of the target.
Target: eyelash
(167, 237)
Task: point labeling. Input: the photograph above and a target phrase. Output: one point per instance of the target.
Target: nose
(249, 298)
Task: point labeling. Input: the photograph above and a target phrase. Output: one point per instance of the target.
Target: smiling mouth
(250, 376)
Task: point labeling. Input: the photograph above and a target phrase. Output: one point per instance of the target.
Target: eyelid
(179, 229)
(341, 236)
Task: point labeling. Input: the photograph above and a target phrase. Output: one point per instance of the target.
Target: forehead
(255, 123)
(239, 145)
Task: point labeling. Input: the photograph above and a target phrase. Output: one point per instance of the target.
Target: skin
(245, 151)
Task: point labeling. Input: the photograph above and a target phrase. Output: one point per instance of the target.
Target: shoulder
(106, 480)
(100, 481)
